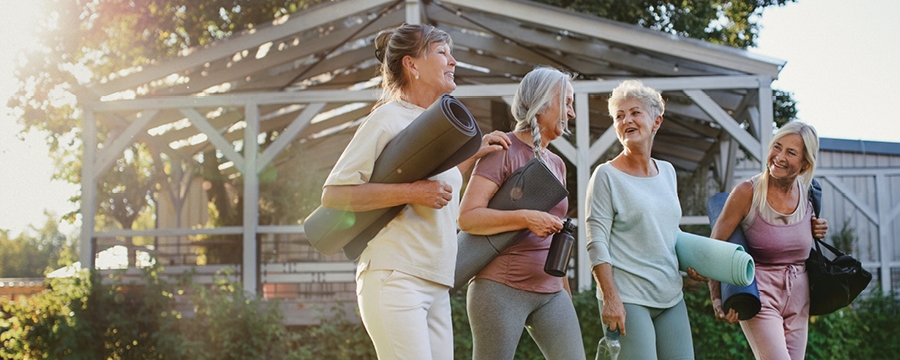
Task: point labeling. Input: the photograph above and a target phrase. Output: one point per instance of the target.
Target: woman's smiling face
(786, 160)
(437, 67)
(633, 123)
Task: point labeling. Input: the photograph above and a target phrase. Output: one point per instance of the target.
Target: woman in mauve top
(775, 213)
(512, 292)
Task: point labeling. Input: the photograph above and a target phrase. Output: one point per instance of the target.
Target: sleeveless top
(775, 243)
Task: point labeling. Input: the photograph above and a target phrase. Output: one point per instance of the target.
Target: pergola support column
(250, 263)
(88, 190)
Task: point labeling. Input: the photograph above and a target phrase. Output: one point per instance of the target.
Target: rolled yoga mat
(532, 186)
(743, 299)
(440, 138)
(714, 259)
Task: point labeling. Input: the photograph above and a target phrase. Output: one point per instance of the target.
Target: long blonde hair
(810, 154)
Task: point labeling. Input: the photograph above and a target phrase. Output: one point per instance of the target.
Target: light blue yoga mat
(743, 299)
(714, 259)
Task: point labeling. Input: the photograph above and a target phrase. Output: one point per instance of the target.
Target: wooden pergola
(311, 77)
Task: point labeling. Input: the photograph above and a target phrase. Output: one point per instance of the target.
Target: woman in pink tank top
(776, 216)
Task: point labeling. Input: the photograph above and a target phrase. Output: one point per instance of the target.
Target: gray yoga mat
(440, 138)
(532, 186)
(715, 259)
(743, 299)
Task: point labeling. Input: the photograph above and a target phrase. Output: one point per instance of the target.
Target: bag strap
(815, 196)
(831, 248)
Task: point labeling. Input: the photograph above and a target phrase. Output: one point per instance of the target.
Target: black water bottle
(560, 247)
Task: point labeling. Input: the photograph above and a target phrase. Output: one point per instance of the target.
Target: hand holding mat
(440, 138)
(714, 259)
(532, 186)
(743, 299)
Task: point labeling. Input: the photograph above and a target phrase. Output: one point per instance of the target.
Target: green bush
(78, 318)
(81, 318)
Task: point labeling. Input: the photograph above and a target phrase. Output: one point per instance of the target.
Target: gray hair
(536, 90)
(392, 45)
(635, 89)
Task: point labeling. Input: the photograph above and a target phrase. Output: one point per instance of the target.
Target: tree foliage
(733, 23)
(35, 252)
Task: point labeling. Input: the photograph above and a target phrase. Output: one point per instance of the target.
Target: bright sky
(841, 66)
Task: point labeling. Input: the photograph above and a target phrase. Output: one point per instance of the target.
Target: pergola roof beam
(215, 137)
(726, 121)
(616, 32)
(277, 29)
(288, 135)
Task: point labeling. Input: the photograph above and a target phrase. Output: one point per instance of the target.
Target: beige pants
(407, 317)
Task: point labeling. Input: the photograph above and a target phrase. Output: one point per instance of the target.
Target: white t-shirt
(420, 241)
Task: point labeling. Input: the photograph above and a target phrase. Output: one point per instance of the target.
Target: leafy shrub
(80, 318)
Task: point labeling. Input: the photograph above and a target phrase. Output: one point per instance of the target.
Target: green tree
(36, 251)
(732, 22)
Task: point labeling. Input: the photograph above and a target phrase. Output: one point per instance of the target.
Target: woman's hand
(493, 142)
(543, 224)
(715, 295)
(819, 227)
(694, 275)
(431, 193)
(613, 315)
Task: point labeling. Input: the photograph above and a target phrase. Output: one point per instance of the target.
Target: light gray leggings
(497, 314)
(656, 333)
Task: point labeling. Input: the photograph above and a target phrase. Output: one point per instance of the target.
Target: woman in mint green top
(632, 213)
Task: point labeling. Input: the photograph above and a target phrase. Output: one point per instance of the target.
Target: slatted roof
(311, 77)
(329, 47)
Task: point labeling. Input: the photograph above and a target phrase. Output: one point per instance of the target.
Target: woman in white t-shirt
(406, 271)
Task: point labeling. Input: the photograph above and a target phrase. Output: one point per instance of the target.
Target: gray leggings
(656, 333)
(497, 314)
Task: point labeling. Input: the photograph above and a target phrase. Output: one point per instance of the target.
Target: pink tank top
(774, 244)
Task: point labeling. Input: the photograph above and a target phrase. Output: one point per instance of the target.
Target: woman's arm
(370, 196)
(476, 218)
(613, 313)
(737, 206)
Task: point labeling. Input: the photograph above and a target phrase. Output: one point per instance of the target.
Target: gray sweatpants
(656, 333)
(497, 314)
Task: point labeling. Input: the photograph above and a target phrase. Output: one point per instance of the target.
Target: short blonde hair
(635, 89)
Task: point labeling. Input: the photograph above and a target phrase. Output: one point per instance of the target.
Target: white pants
(407, 317)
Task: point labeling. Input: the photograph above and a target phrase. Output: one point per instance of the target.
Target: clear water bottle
(609, 346)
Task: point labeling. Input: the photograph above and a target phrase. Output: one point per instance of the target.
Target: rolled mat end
(715, 259)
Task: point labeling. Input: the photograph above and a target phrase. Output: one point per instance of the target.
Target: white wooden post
(250, 265)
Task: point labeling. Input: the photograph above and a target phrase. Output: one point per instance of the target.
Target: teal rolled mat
(443, 136)
(743, 299)
(714, 259)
